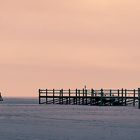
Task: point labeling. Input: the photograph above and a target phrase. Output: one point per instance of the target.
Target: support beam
(139, 98)
(39, 96)
(134, 97)
(102, 94)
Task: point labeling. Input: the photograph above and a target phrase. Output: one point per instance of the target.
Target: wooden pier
(102, 97)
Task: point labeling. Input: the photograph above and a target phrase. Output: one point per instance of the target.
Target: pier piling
(139, 98)
(39, 97)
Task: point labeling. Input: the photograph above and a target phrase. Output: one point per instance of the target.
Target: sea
(25, 119)
(20, 101)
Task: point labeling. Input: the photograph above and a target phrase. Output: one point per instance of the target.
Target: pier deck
(102, 97)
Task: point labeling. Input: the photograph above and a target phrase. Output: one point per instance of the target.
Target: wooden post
(83, 97)
(46, 96)
(91, 98)
(79, 96)
(118, 97)
(122, 96)
(69, 96)
(62, 95)
(110, 97)
(92, 93)
(101, 97)
(76, 95)
(53, 95)
(86, 95)
(39, 96)
(67, 100)
(125, 96)
(134, 97)
(139, 98)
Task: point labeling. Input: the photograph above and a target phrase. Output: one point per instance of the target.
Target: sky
(68, 44)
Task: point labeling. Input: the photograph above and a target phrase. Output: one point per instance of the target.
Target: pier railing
(112, 97)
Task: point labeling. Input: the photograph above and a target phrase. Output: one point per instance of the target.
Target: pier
(102, 97)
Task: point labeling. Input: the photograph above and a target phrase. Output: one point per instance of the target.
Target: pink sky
(68, 44)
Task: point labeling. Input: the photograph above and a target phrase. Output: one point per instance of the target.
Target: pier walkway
(102, 97)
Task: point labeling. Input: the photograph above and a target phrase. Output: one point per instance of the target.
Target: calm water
(17, 101)
(25, 119)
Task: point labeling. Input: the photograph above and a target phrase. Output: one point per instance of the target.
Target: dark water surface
(25, 119)
(20, 101)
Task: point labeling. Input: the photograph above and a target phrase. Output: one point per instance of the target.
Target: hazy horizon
(68, 44)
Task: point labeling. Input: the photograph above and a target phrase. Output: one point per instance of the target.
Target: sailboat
(1, 99)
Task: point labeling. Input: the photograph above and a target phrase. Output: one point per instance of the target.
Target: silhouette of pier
(102, 97)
